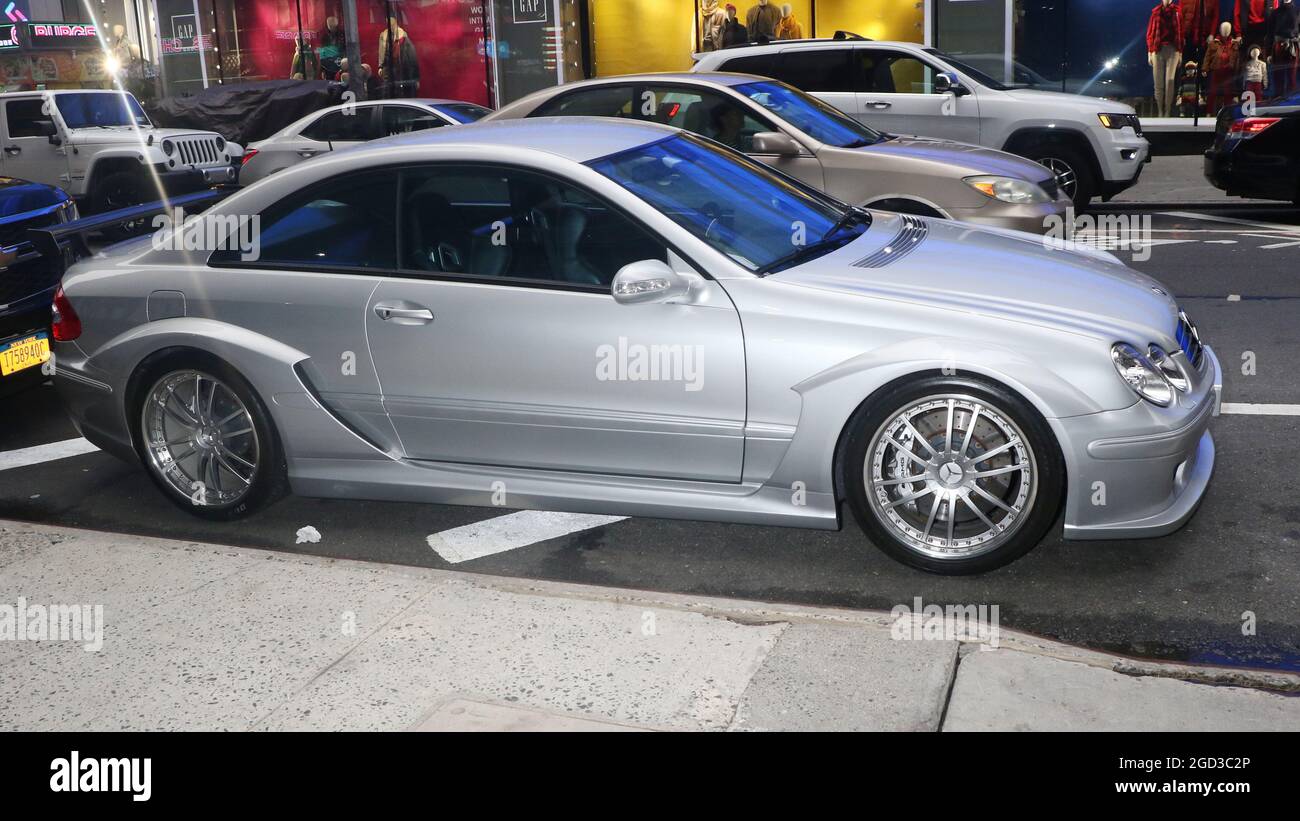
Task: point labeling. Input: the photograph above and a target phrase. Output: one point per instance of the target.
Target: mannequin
(1283, 46)
(305, 65)
(762, 20)
(1249, 18)
(126, 53)
(1189, 90)
(734, 32)
(789, 28)
(1255, 75)
(333, 49)
(712, 18)
(1164, 44)
(1220, 66)
(1198, 18)
(399, 65)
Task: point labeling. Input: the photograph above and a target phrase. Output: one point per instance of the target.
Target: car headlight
(168, 147)
(1008, 189)
(221, 144)
(1169, 368)
(1141, 374)
(1115, 120)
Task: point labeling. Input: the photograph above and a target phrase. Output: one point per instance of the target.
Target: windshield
(464, 112)
(818, 120)
(761, 219)
(94, 110)
(969, 70)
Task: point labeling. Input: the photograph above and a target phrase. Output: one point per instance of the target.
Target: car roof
(579, 139)
(767, 48)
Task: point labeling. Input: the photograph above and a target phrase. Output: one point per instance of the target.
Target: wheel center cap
(207, 437)
(950, 473)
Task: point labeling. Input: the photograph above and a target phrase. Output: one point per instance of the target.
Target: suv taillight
(67, 325)
(249, 153)
(1251, 126)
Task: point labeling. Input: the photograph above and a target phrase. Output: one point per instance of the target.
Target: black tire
(1060, 157)
(866, 432)
(121, 189)
(268, 483)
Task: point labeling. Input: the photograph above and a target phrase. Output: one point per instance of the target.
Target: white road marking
(44, 453)
(1234, 297)
(1264, 226)
(1290, 244)
(1260, 410)
(1219, 241)
(514, 530)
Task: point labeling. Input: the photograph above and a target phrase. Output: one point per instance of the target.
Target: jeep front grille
(198, 151)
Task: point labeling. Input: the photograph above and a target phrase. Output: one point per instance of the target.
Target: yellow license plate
(21, 354)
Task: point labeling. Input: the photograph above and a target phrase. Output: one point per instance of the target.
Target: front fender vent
(912, 231)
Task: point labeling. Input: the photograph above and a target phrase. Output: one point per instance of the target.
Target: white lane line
(1260, 410)
(514, 530)
(44, 453)
(1265, 226)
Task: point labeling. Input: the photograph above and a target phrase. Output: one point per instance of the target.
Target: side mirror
(946, 81)
(650, 280)
(48, 130)
(774, 142)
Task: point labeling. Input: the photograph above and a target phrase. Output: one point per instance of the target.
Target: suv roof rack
(840, 34)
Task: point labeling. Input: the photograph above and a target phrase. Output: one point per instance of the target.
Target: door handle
(877, 104)
(412, 316)
(13, 150)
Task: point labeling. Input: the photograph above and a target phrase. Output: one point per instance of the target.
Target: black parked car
(1258, 155)
(27, 283)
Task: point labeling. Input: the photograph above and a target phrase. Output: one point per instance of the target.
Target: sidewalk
(201, 636)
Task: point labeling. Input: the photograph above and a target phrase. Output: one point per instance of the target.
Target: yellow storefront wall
(874, 19)
(630, 36)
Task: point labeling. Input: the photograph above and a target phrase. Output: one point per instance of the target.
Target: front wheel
(953, 476)
(122, 189)
(1073, 172)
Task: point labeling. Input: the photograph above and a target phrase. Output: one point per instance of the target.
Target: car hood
(1008, 275)
(126, 135)
(970, 159)
(1077, 102)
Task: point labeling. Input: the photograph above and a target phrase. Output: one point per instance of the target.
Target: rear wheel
(207, 441)
(953, 476)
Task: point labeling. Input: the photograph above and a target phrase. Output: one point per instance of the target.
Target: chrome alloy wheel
(951, 476)
(200, 438)
(1065, 174)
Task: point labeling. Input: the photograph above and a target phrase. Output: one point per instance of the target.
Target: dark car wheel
(207, 441)
(1073, 171)
(122, 189)
(952, 475)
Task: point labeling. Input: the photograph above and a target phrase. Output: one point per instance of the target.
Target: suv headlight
(1141, 374)
(1115, 120)
(1008, 189)
(1169, 368)
(168, 147)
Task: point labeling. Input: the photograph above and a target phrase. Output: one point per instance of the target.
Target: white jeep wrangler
(101, 148)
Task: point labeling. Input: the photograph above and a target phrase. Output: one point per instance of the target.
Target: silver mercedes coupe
(607, 316)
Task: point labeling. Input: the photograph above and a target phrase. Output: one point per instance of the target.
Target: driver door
(28, 153)
(499, 342)
(898, 95)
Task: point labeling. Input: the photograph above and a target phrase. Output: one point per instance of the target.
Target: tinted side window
(356, 125)
(703, 112)
(764, 65)
(819, 70)
(888, 72)
(403, 119)
(615, 101)
(347, 222)
(500, 222)
(23, 115)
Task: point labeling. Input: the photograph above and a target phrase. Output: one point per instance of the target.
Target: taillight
(249, 153)
(1251, 126)
(67, 325)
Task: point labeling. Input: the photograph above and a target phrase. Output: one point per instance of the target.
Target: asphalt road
(1236, 269)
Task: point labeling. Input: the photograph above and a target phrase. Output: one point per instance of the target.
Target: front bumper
(1140, 472)
(189, 180)
(1037, 218)
(1122, 155)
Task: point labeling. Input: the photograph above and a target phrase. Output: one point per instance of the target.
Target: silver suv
(1094, 146)
(101, 148)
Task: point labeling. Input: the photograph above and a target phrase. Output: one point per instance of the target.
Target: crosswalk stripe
(22, 457)
(1260, 410)
(514, 530)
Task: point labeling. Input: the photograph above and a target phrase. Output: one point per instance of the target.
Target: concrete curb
(800, 670)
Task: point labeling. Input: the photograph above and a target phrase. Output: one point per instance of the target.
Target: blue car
(27, 282)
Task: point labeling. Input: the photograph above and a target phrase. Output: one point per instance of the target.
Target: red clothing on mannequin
(1256, 12)
(1165, 28)
(1200, 19)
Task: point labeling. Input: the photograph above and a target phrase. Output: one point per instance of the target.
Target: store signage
(62, 36)
(530, 11)
(8, 37)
